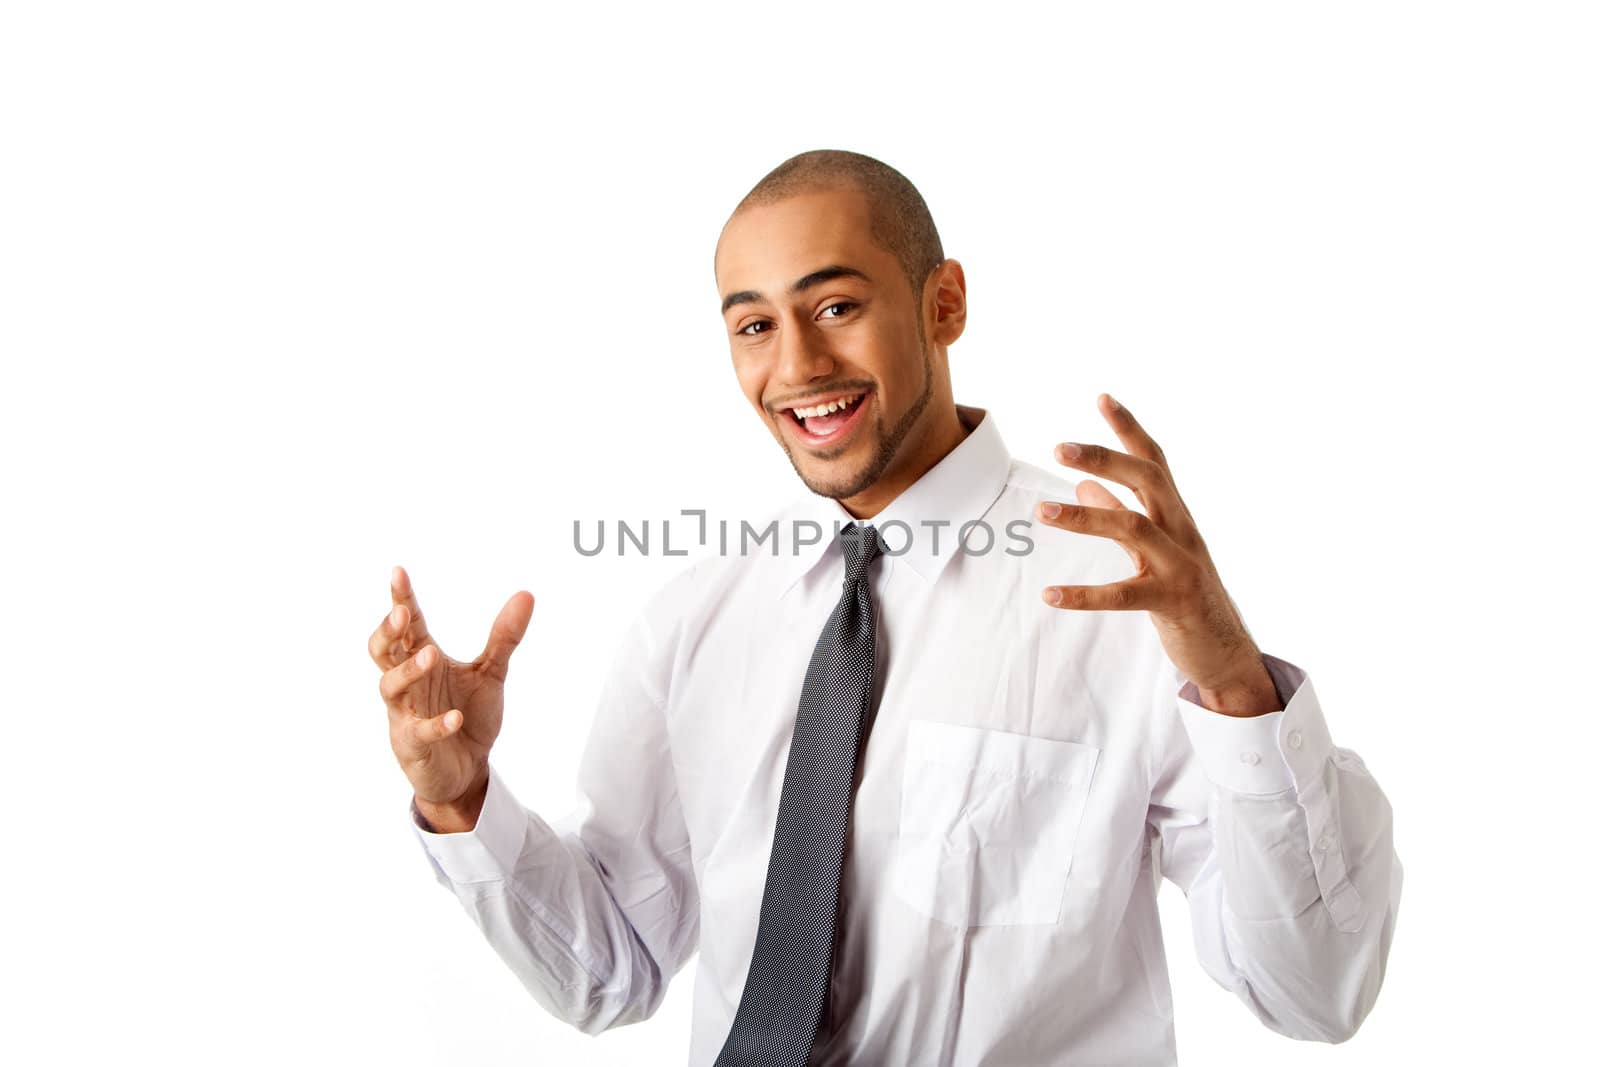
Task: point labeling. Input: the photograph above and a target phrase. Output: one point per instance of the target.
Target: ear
(945, 298)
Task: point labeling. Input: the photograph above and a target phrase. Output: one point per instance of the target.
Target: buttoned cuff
(1277, 751)
(488, 852)
(1260, 754)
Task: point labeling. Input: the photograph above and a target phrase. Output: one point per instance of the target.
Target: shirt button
(1294, 738)
(1324, 842)
(1249, 757)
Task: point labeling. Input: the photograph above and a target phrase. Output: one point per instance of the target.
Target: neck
(944, 430)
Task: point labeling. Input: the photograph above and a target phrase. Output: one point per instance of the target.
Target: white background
(292, 292)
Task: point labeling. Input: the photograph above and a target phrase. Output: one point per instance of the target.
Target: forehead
(769, 246)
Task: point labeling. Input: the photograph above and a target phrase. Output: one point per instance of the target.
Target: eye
(746, 329)
(847, 305)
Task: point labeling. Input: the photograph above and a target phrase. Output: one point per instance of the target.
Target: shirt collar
(957, 489)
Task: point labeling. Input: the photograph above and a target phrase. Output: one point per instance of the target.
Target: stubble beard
(886, 447)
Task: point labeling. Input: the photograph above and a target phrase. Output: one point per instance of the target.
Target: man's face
(819, 316)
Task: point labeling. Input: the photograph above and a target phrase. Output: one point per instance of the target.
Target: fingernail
(1049, 510)
(394, 618)
(1052, 596)
(1113, 401)
(1070, 451)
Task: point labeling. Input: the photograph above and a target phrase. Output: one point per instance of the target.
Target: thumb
(425, 732)
(507, 632)
(1096, 495)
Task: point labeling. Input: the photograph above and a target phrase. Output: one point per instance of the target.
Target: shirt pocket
(988, 820)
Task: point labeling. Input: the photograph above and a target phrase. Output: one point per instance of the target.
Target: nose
(803, 355)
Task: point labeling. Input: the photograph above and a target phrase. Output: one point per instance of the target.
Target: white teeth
(824, 409)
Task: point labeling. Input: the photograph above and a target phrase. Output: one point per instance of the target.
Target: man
(934, 833)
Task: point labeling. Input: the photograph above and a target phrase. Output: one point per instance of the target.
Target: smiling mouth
(828, 419)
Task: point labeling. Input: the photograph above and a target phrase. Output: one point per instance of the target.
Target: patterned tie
(786, 990)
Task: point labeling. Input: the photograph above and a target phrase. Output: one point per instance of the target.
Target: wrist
(456, 816)
(1252, 692)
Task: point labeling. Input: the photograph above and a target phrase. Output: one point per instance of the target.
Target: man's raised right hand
(444, 715)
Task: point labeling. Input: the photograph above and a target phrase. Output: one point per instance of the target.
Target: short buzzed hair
(901, 222)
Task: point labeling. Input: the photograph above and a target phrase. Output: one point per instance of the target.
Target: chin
(855, 467)
(833, 487)
(839, 478)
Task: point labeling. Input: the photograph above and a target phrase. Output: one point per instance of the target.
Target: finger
(506, 634)
(1129, 432)
(1134, 594)
(397, 680)
(1124, 525)
(1149, 480)
(416, 629)
(387, 645)
(427, 731)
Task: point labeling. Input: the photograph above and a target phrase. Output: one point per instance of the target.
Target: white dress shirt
(1030, 774)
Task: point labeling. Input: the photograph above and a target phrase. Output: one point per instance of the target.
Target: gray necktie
(786, 989)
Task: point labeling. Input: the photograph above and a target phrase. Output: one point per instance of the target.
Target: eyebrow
(816, 277)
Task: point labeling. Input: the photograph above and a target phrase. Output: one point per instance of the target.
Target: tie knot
(861, 545)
